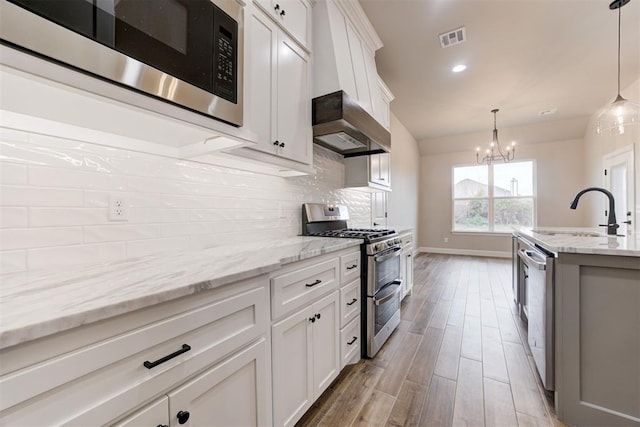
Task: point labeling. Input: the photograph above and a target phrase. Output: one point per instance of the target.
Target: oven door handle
(388, 254)
(388, 297)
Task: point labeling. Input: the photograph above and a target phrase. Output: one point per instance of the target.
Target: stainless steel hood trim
(18, 29)
(337, 113)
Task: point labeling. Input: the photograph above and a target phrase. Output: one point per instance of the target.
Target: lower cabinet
(205, 357)
(406, 264)
(232, 393)
(306, 357)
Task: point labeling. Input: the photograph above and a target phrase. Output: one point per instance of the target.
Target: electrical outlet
(117, 208)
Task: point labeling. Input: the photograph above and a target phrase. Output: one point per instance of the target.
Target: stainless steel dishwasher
(538, 274)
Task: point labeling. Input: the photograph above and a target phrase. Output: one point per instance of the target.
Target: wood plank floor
(459, 358)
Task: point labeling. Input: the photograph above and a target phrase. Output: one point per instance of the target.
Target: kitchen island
(596, 308)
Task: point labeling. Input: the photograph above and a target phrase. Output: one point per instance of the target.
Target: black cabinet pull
(282, 13)
(312, 319)
(353, 301)
(162, 425)
(352, 341)
(276, 143)
(317, 282)
(282, 143)
(276, 7)
(150, 365)
(351, 267)
(318, 316)
(183, 417)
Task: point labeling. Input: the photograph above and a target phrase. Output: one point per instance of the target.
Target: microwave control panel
(225, 44)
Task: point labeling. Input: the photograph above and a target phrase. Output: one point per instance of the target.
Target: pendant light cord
(619, 21)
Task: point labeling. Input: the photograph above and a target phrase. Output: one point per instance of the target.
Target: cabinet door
(408, 276)
(380, 169)
(403, 275)
(293, 101)
(261, 80)
(154, 414)
(326, 342)
(379, 209)
(292, 361)
(295, 18)
(232, 393)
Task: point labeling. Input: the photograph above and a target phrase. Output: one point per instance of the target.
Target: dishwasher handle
(528, 257)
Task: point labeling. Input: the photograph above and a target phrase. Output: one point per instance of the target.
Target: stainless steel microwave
(185, 52)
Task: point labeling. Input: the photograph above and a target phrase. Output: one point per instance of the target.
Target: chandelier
(621, 113)
(494, 152)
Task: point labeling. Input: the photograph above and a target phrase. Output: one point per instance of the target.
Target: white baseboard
(470, 252)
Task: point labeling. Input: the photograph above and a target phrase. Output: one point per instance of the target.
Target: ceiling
(522, 56)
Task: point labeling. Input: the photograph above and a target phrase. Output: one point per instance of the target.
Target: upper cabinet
(280, 107)
(278, 83)
(381, 104)
(368, 173)
(344, 56)
(294, 16)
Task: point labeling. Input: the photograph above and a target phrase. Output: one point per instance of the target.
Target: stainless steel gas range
(380, 274)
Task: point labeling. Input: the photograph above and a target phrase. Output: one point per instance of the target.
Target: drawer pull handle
(317, 282)
(354, 339)
(312, 319)
(150, 365)
(353, 301)
(351, 267)
(162, 425)
(318, 316)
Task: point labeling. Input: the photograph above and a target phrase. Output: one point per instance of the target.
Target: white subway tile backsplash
(13, 217)
(63, 187)
(63, 256)
(12, 173)
(69, 178)
(13, 261)
(60, 217)
(37, 196)
(25, 238)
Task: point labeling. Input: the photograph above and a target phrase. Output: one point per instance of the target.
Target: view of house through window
(493, 198)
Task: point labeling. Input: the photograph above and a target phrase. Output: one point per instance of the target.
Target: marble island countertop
(581, 240)
(40, 303)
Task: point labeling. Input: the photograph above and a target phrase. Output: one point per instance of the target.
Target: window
(493, 198)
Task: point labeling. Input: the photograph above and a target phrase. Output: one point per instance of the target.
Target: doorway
(619, 179)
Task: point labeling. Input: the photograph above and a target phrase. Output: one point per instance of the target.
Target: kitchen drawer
(349, 267)
(301, 287)
(350, 343)
(94, 384)
(349, 301)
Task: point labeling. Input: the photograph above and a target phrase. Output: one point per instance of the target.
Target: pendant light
(494, 152)
(622, 113)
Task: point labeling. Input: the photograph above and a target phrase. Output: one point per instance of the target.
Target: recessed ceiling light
(459, 68)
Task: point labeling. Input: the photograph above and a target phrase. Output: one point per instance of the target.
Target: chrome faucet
(611, 224)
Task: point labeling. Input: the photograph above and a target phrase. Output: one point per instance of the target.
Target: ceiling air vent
(453, 37)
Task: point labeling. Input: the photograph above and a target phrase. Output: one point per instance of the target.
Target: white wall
(596, 147)
(560, 174)
(54, 194)
(402, 202)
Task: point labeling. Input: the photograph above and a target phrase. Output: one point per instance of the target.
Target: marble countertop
(40, 303)
(579, 240)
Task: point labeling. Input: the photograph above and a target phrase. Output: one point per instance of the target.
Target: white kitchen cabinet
(369, 173)
(154, 414)
(350, 343)
(306, 358)
(406, 264)
(278, 82)
(359, 62)
(98, 373)
(379, 209)
(381, 104)
(294, 16)
(233, 393)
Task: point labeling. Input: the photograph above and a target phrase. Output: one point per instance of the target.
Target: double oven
(380, 275)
